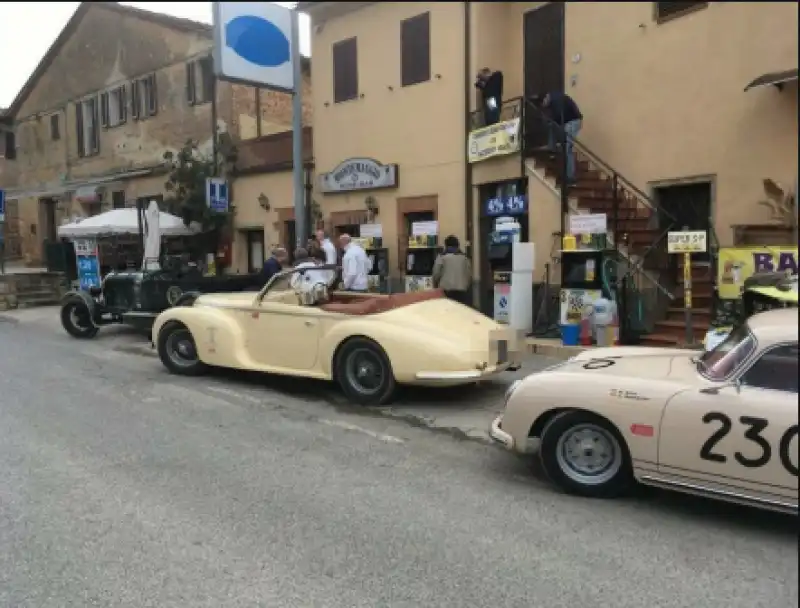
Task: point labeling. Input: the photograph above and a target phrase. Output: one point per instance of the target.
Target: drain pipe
(468, 192)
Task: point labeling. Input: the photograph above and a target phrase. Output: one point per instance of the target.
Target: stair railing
(622, 191)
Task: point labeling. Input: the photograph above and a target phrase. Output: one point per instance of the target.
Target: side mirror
(714, 390)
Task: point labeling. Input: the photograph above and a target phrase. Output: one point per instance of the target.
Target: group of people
(452, 271)
(562, 113)
(320, 251)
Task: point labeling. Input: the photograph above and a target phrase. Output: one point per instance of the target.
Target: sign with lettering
(506, 205)
(358, 174)
(495, 140)
(736, 264)
(687, 241)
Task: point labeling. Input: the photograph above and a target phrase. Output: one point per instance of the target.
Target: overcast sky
(27, 29)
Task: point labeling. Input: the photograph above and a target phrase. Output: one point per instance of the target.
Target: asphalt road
(123, 486)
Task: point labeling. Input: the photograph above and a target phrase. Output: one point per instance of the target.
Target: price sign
(687, 241)
(506, 205)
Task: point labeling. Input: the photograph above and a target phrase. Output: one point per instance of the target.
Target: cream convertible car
(722, 423)
(368, 343)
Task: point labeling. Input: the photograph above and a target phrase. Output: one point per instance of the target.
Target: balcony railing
(511, 108)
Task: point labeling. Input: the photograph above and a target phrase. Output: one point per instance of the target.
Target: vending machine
(421, 256)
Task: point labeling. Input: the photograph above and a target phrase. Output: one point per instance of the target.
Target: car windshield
(720, 362)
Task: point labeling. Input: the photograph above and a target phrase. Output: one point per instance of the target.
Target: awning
(777, 79)
(87, 194)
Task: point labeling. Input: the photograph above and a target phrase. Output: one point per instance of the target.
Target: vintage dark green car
(136, 297)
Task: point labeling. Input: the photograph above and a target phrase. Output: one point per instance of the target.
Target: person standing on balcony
(564, 112)
(491, 86)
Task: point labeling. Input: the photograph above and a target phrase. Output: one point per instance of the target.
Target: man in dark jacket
(563, 111)
(491, 86)
(452, 272)
(274, 264)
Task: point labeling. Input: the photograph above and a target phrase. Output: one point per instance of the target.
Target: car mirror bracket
(714, 390)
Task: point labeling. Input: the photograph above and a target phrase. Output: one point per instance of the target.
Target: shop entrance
(503, 221)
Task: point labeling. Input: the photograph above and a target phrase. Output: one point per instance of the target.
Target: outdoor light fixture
(263, 201)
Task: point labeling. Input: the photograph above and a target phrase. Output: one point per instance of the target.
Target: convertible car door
(283, 336)
(742, 439)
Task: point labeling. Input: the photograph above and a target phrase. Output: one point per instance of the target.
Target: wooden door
(543, 36)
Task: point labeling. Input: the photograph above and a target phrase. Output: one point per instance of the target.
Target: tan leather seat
(377, 305)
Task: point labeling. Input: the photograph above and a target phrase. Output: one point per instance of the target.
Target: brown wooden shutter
(95, 131)
(11, 145)
(345, 70)
(104, 110)
(415, 49)
(79, 129)
(208, 77)
(664, 10)
(136, 105)
(191, 90)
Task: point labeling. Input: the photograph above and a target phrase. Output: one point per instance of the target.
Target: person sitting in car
(308, 281)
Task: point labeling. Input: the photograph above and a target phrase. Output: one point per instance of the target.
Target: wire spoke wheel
(365, 371)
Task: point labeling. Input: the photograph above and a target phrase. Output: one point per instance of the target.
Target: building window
(87, 120)
(144, 97)
(415, 49)
(9, 148)
(55, 130)
(345, 70)
(200, 81)
(118, 199)
(670, 10)
(114, 107)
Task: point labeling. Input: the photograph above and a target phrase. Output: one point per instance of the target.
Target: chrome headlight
(510, 391)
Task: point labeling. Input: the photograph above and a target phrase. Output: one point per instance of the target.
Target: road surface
(122, 486)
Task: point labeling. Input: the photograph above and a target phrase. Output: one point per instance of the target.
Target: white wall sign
(689, 241)
(371, 231)
(358, 174)
(253, 44)
(425, 228)
(588, 223)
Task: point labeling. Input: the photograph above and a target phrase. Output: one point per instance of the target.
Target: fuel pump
(507, 231)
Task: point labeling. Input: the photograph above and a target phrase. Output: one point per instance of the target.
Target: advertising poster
(739, 263)
(495, 140)
(88, 262)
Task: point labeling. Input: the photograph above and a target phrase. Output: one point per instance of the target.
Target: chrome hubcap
(589, 454)
(181, 348)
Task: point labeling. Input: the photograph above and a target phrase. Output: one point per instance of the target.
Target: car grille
(502, 352)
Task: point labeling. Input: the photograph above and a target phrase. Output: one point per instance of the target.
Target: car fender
(218, 337)
(187, 296)
(632, 406)
(81, 296)
(409, 351)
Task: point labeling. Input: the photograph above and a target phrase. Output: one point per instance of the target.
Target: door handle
(309, 323)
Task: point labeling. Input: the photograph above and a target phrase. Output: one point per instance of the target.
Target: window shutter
(122, 98)
(136, 106)
(415, 49)
(11, 145)
(95, 123)
(152, 102)
(191, 90)
(79, 129)
(104, 110)
(209, 79)
(345, 70)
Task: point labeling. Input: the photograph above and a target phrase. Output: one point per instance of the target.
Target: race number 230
(752, 433)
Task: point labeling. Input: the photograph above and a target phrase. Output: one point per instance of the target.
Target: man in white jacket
(356, 265)
(331, 255)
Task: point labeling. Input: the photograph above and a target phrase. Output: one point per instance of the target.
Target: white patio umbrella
(121, 221)
(152, 237)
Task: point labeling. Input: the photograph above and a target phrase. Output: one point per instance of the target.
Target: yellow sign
(495, 140)
(690, 241)
(739, 263)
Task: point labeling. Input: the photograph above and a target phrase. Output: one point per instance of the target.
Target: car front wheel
(585, 455)
(178, 351)
(76, 318)
(364, 372)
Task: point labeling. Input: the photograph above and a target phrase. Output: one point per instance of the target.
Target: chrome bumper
(498, 435)
(463, 376)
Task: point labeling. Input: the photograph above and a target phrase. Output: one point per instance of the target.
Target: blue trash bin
(570, 334)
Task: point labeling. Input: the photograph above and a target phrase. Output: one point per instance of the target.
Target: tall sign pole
(258, 44)
(301, 230)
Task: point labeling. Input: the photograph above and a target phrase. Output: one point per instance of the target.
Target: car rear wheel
(585, 455)
(178, 351)
(364, 372)
(76, 318)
